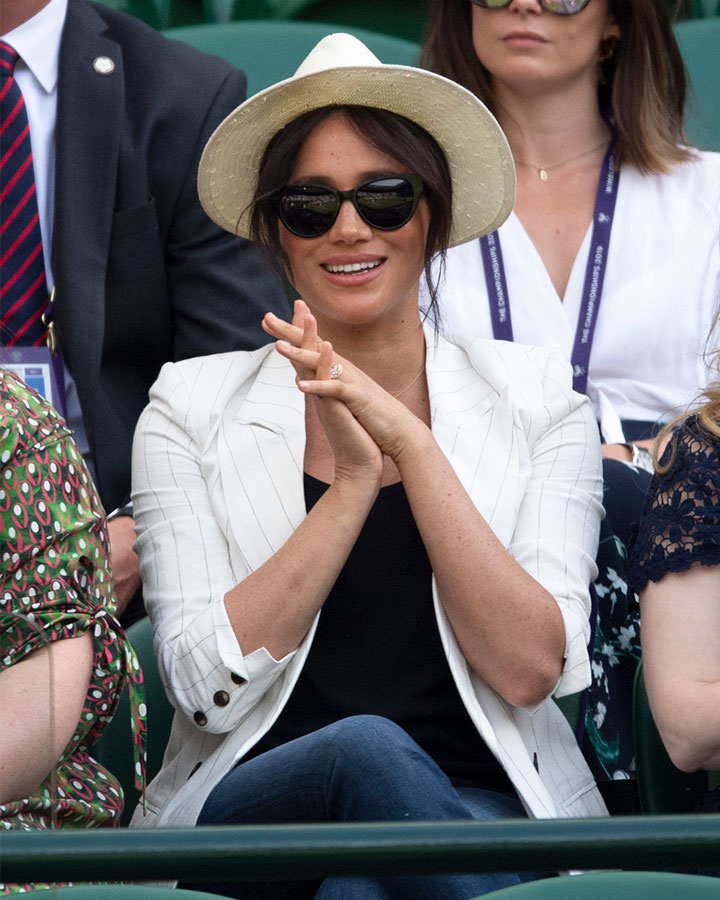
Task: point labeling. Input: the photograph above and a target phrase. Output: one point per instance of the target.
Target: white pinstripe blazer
(218, 488)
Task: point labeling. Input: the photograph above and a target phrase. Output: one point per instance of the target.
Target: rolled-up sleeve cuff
(576, 668)
(256, 665)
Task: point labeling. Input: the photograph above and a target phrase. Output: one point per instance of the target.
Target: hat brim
(478, 155)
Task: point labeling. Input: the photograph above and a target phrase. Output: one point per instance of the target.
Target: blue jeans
(360, 769)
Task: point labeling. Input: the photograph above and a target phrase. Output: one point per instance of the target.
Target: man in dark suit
(141, 275)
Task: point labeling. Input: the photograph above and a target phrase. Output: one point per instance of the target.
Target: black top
(377, 650)
(680, 524)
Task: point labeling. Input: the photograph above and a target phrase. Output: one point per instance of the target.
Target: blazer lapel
(474, 428)
(89, 119)
(261, 451)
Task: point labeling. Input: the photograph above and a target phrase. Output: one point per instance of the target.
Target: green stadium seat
(614, 886)
(401, 18)
(270, 51)
(120, 892)
(662, 787)
(699, 41)
(121, 5)
(701, 8)
(165, 13)
(227, 10)
(115, 749)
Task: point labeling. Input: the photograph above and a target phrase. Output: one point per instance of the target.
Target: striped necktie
(23, 290)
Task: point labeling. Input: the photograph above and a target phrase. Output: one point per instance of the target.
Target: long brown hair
(642, 82)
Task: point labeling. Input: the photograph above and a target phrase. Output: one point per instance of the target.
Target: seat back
(270, 51)
(699, 41)
(402, 18)
(701, 8)
(120, 892)
(115, 749)
(662, 787)
(227, 10)
(614, 886)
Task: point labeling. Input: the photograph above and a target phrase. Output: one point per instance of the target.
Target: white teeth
(353, 267)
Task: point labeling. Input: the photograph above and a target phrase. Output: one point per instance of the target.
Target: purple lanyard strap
(495, 280)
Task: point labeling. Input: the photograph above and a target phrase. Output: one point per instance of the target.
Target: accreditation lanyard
(42, 367)
(496, 282)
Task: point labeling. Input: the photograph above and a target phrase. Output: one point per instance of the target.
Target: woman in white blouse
(611, 254)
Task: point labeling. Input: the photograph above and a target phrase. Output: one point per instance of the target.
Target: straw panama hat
(341, 70)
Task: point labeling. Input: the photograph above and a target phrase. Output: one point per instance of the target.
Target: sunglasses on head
(309, 210)
(559, 7)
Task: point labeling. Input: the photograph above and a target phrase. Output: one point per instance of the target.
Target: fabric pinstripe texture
(23, 289)
(217, 487)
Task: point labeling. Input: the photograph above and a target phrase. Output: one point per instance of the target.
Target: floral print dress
(56, 583)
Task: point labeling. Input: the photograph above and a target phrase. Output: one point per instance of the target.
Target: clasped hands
(362, 421)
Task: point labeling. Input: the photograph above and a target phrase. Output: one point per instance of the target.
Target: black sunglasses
(309, 210)
(559, 7)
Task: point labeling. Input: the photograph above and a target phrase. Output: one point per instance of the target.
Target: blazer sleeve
(220, 285)
(558, 524)
(186, 565)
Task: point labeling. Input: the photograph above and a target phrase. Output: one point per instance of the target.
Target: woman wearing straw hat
(366, 550)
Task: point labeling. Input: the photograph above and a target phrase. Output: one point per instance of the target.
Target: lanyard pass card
(41, 368)
(496, 282)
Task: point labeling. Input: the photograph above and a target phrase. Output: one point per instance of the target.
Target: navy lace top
(680, 524)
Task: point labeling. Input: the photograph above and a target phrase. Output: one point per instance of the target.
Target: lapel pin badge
(103, 65)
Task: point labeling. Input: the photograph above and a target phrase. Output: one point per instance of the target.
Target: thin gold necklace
(543, 171)
(408, 386)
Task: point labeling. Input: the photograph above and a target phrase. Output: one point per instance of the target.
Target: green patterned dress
(55, 583)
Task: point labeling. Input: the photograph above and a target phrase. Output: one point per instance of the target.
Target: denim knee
(371, 742)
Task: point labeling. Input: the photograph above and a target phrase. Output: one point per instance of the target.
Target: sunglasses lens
(492, 4)
(386, 203)
(565, 7)
(559, 7)
(308, 210)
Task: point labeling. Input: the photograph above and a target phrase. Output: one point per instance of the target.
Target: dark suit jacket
(142, 275)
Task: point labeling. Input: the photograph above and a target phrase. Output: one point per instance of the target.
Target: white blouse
(660, 295)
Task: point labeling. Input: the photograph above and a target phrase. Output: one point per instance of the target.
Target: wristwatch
(641, 457)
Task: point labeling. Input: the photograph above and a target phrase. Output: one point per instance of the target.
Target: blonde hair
(705, 409)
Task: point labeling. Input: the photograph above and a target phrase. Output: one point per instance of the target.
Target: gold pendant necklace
(543, 171)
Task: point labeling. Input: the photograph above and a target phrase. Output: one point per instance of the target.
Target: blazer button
(237, 679)
(221, 698)
(200, 718)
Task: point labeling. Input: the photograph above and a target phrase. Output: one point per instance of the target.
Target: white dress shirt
(658, 302)
(37, 42)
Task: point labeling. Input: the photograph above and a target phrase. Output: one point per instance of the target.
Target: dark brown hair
(408, 143)
(642, 83)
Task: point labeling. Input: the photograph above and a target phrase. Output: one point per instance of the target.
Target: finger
(298, 356)
(301, 316)
(324, 361)
(310, 335)
(299, 310)
(281, 329)
(322, 372)
(321, 389)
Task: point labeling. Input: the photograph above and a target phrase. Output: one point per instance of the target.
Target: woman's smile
(355, 269)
